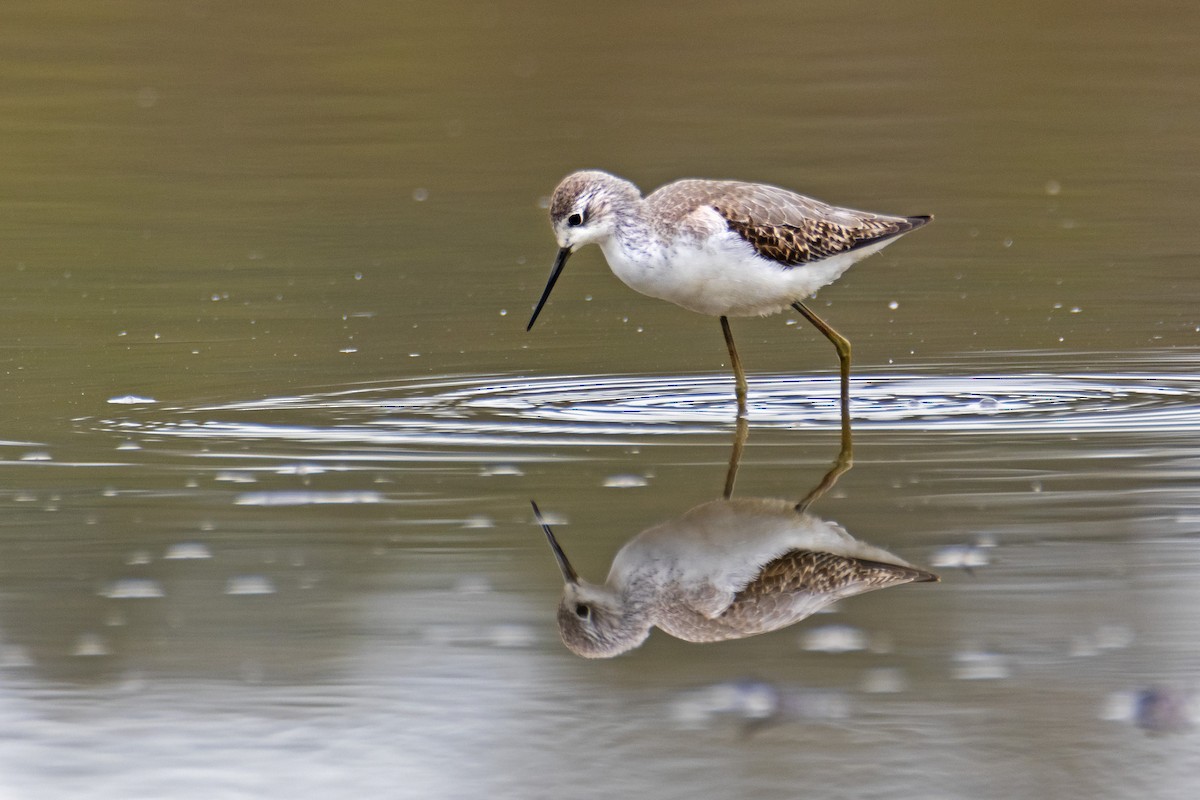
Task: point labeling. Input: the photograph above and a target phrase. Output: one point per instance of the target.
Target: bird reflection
(726, 569)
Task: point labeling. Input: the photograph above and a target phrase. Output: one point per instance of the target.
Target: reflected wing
(800, 582)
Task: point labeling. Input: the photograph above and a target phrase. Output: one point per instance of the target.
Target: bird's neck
(634, 240)
(641, 593)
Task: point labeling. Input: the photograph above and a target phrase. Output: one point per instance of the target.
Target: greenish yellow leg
(842, 344)
(845, 459)
(738, 375)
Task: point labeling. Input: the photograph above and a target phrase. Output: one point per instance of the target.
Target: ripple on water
(489, 411)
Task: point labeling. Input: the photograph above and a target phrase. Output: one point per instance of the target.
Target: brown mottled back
(779, 224)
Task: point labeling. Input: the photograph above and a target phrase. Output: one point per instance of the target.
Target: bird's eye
(582, 611)
(575, 220)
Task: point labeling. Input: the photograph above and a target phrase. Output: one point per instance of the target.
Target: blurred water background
(271, 420)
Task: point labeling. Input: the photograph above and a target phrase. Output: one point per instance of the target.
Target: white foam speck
(834, 639)
(959, 556)
(501, 469)
(90, 644)
(234, 477)
(624, 481)
(511, 635)
(979, 665)
(249, 584)
(134, 589)
(130, 400)
(183, 551)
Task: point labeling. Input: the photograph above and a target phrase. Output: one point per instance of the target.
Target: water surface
(273, 421)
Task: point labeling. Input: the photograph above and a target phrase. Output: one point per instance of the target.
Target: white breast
(720, 274)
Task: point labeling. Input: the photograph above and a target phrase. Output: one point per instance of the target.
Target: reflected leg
(735, 458)
(738, 375)
(841, 465)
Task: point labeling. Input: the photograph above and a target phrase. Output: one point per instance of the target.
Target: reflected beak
(559, 262)
(568, 572)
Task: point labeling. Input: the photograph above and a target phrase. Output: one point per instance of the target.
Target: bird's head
(584, 209)
(593, 621)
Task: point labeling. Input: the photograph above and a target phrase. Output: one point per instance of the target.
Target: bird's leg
(845, 458)
(843, 350)
(735, 458)
(738, 375)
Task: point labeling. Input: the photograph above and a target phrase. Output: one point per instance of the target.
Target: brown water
(273, 421)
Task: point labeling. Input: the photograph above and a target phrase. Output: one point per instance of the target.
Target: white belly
(723, 276)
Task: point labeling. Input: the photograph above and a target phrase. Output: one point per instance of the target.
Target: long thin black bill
(564, 566)
(559, 262)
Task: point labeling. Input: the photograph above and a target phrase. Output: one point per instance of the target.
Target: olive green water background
(271, 420)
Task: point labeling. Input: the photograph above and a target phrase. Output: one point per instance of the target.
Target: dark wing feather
(808, 240)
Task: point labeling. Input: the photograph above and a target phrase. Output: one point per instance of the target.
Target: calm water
(272, 420)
